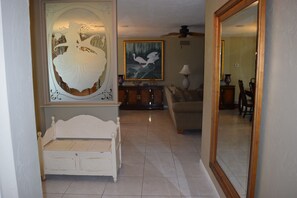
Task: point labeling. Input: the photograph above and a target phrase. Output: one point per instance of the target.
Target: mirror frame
(226, 11)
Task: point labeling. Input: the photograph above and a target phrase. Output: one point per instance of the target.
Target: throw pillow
(192, 95)
(200, 93)
(188, 95)
(179, 95)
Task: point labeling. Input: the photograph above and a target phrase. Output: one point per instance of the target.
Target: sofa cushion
(188, 107)
(181, 95)
(189, 95)
(192, 95)
(178, 95)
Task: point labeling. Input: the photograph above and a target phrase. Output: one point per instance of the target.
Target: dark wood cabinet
(227, 94)
(141, 97)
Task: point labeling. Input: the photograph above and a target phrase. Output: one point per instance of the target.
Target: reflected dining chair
(245, 105)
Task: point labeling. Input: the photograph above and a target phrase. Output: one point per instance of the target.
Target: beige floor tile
(52, 195)
(135, 157)
(159, 170)
(81, 196)
(125, 186)
(160, 186)
(198, 186)
(182, 148)
(133, 149)
(162, 157)
(205, 196)
(163, 147)
(87, 186)
(189, 169)
(190, 157)
(111, 196)
(160, 196)
(131, 169)
(57, 184)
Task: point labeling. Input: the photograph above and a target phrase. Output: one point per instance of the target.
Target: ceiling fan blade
(195, 34)
(182, 36)
(172, 34)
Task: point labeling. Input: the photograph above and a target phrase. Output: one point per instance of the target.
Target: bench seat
(60, 153)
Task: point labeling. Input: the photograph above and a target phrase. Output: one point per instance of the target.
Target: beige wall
(277, 167)
(65, 112)
(210, 8)
(240, 51)
(277, 162)
(174, 58)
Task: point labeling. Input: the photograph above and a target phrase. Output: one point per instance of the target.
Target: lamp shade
(185, 70)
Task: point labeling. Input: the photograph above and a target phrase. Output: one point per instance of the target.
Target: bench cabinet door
(59, 161)
(94, 162)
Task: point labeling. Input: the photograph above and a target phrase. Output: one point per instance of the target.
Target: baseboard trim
(209, 178)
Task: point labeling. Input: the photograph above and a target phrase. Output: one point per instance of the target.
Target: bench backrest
(85, 126)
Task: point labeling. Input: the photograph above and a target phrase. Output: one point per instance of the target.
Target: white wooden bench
(82, 145)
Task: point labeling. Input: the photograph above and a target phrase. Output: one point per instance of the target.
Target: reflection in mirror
(237, 95)
(239, 33)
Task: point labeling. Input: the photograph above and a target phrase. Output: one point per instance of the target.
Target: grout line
(106, 184)
(68, 188)
(145, 153)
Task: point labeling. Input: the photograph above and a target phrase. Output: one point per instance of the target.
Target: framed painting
(144, 59)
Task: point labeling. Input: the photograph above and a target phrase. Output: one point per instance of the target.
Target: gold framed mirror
(236, 112)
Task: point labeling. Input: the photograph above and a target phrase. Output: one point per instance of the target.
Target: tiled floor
(157, 163)
(234, 139)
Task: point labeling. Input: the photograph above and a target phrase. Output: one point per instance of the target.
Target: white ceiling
(153, 18)
(243, 23)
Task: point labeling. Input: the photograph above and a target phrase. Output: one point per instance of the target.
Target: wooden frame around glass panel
(80, 48)
(227, 10)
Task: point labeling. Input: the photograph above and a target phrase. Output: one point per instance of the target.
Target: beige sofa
(185, 108)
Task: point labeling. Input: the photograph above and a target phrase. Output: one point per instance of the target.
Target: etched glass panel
(78, 38)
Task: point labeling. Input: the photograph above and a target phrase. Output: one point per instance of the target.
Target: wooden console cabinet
(141, 97)
(227, 94)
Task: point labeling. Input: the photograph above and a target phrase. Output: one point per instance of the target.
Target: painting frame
(144, 60)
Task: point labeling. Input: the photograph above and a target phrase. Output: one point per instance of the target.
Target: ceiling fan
(184, 32)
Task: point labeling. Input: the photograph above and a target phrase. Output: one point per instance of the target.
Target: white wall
(277, 167)
(19, 173)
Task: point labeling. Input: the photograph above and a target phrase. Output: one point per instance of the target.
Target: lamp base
(186, 82)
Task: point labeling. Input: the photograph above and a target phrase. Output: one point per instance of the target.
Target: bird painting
(152, 55)
(139, 59)
(143, 60)
(152, 58)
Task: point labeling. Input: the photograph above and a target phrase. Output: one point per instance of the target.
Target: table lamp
(186, 72)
